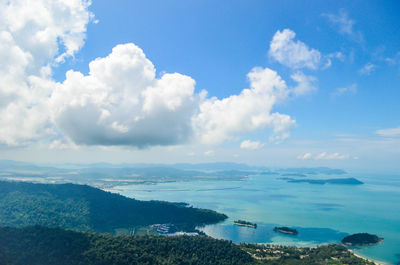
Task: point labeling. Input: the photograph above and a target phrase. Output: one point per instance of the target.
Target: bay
(321, 213)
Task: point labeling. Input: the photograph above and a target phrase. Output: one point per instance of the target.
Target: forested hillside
(42, 246)
(81, 207)
(53, 246)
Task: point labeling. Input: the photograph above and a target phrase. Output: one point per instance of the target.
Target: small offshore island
(245, 223)
(336, 181)
(361, 239)
(286, 230)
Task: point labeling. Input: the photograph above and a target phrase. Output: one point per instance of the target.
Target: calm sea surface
(321, 213)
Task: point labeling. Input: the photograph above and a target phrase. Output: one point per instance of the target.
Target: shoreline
(377, 262)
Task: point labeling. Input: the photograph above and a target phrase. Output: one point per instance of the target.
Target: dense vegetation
(40, 245)
(284, 255)
(245, 223)
(52, 246)
(81, 207)
(361, 239)
(286, 230)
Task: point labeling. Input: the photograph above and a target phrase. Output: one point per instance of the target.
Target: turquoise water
(321, 213)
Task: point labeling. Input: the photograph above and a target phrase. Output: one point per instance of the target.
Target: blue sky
(339, 61)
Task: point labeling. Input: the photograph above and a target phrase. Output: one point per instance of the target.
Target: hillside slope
(45, 246)
(81, 207)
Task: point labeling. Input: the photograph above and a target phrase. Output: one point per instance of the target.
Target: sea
(322, 214)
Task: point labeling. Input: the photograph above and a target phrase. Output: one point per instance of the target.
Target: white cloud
(352, 89)
(63, 145)
(394, 60)
(328, 58)
(222, 119)
(209, 153)
(251, 145)
(305, 83)
(367, 69)
(324, 156)
(33, 36)
(305, 156)
(333, 156)
(121, 102)
(392, 132)
(344, 24)
(293, 54)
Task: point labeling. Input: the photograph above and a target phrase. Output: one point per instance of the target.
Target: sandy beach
(377, 262)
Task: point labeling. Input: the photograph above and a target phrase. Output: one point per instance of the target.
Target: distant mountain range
(105, 175)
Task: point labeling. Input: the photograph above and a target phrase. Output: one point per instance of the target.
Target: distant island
(107, 176)
(361, 239)
(245, 223)
(286, 230)
(338, 181)
(294, 175)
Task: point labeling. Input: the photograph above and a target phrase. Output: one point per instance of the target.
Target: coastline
(378, 257)
(377, 262)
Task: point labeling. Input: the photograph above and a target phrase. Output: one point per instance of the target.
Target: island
(338, 181)
(286, 230)
(294, 175)
(245, 223)
(361, 239)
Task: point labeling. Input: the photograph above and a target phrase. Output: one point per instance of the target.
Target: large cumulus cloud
(221, 119)
(121, 102)
(34, 35)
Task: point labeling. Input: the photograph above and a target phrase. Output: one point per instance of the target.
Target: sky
(273, 83)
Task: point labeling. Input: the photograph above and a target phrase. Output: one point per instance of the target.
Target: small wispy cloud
(345, 25)
(332, 156)
(293, 54)
(367, 69)
(305, 156)
(329, 57)
(63, 145)
(352, 89)
(394, 60)
(391, 132)
(251, 145)
(324, 156)
(209, 153)
(305, 83)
